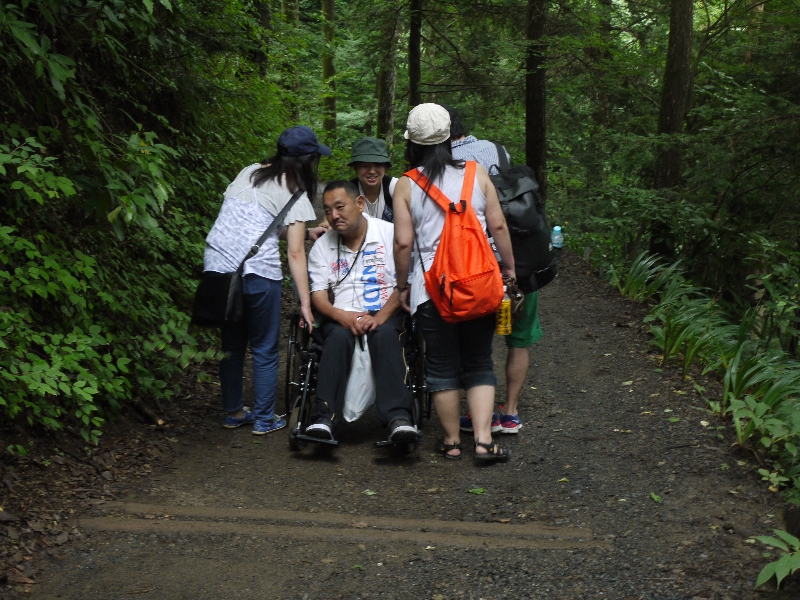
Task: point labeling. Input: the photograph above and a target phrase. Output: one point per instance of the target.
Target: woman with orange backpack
(442, 208)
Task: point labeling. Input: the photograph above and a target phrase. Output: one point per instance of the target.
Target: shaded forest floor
(620, 486)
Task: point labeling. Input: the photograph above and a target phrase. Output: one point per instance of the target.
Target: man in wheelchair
(353, 278)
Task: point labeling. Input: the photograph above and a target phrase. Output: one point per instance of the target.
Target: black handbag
(219, 298)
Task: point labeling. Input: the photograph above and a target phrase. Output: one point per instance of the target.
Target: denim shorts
(457, 355)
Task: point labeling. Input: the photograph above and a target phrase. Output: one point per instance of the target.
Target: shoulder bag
(219, 299)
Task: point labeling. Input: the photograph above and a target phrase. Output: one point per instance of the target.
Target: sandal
(445, 449)
(493, 452)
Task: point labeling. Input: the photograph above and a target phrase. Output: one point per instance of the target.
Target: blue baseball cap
(299, 140)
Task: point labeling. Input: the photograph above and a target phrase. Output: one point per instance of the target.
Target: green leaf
(788, 538)
(477, 491)
(148, 4)
(766, 574)
(655, 497)
(771, 541)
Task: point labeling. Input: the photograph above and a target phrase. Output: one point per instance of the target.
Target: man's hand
(367, 323)
(350, 320)
(314, 233)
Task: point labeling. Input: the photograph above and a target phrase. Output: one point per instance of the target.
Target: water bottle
(503, 326)
(557, 239)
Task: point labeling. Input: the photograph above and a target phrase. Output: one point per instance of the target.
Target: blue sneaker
(233, 422)
(510, 423)
(465, 423)
(265, 427)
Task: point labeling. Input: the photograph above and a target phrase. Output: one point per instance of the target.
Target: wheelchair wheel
(293, 360)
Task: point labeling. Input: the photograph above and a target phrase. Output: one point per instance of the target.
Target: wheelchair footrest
(385, 443)
(315, 440)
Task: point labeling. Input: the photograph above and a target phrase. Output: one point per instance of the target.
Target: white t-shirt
(373, 278)
(245, 214)
(375, 209)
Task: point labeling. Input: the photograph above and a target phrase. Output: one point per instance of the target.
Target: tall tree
(328, 69)
(387, 78)
(264, 17)
(675, 93)
(535, 123)
(415, 53)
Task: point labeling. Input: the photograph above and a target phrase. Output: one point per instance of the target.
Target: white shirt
(428, 220)
(373, 278)
(375, 209)
(245, 214)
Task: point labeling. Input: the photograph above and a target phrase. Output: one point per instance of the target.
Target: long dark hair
(300, 172)
(433, 159)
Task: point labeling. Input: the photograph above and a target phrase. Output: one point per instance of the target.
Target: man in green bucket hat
(370, 159)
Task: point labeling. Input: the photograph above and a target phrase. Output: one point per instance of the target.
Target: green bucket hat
(370, 150)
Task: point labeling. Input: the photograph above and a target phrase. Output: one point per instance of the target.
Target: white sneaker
(320, 430)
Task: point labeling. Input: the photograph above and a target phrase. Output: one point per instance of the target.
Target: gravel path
(572, 515)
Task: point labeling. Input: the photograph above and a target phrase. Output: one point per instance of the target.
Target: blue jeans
(260, 327)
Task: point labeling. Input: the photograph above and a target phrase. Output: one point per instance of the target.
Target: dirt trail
(570, 516)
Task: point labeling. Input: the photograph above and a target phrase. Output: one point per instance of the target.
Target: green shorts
(526, 331)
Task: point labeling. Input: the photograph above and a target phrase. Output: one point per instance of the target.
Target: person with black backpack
(526, 330)
(370, 159)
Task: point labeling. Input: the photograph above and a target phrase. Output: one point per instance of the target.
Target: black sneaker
(401, 430)
(321, 429)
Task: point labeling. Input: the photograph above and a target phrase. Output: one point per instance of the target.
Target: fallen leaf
(25, 580)
(750, 541)
(358, 524)
(674, 419)
(430, 547)
(583, 391)
(627, 382)
(505, 520)
(563, 480)
(533, 388)
(567, 466)
(622, 500)
(62, 538)
(648, 412)
(704, 423)
(477, 491)
(357, 567)
(328, 561)
(655, 497)
(369, 493)
(654, 395)
(609, 354)
(714, 526)
(667, 410)
(680, 392)
(734, 492)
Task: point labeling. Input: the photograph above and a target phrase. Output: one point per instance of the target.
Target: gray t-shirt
(245, 214)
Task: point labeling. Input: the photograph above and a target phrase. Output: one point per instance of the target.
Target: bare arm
(369, 322)
(296, 237)
(404, 236)
(496, 222)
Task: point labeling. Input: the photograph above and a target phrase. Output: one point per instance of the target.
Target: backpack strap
(501, 156)
(438, 196)
(387, 196)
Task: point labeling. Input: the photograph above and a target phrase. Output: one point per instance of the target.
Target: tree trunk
(675, 96)
(328, 70)
(535, 124)
(414, 54)
(261, 56)
(387, 80)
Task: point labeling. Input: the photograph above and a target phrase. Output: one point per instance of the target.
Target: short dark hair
(350, 188)
(457, 129)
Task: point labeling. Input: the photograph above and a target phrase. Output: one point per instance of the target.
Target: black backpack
(535, 261)
(388, 212)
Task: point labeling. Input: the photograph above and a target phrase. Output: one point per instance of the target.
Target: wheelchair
(302, 360)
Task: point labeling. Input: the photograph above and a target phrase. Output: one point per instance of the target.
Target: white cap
(428, 124)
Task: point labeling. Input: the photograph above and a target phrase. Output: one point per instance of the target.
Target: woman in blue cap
(257, 194)
(370, 159)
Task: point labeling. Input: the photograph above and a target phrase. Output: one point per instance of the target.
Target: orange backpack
(464, 280)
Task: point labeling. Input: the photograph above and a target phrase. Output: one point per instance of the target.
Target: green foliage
(121, 124)
(787, 564)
